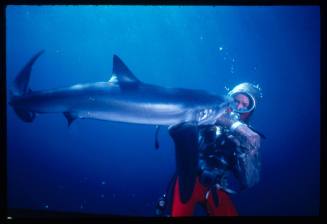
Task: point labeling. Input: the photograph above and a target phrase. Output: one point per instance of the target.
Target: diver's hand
(248, 138)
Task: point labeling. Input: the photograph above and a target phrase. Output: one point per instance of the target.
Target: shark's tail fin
(20, 88)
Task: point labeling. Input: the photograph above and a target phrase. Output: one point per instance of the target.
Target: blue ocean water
(113, 168)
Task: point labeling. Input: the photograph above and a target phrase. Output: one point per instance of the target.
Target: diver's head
(245, 98)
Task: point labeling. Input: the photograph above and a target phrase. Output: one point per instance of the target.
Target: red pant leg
(225, 206)
(185, 209)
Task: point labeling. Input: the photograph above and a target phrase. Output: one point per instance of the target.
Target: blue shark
(124, 98)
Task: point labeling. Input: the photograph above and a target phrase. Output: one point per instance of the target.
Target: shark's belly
(137, 112)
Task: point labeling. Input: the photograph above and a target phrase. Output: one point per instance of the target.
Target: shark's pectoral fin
(122, 75)
(70, 118)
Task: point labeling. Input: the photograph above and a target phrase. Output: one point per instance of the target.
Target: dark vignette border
(33, 216)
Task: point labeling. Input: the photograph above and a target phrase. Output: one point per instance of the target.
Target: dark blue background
(107, 167)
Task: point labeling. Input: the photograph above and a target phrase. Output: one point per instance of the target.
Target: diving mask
(253, 93)
(245, 109)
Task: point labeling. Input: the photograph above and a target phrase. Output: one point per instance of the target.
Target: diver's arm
(247, 167)
(247, 137)
(247, 164)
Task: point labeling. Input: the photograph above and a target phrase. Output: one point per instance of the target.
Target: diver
(208, 155)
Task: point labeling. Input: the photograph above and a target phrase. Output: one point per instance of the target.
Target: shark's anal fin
(122, 75)
(70, 118)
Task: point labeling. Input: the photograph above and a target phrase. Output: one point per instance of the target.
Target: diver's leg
(225, 205)
(178, 207)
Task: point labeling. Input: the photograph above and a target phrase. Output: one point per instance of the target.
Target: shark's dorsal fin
(122, 75)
